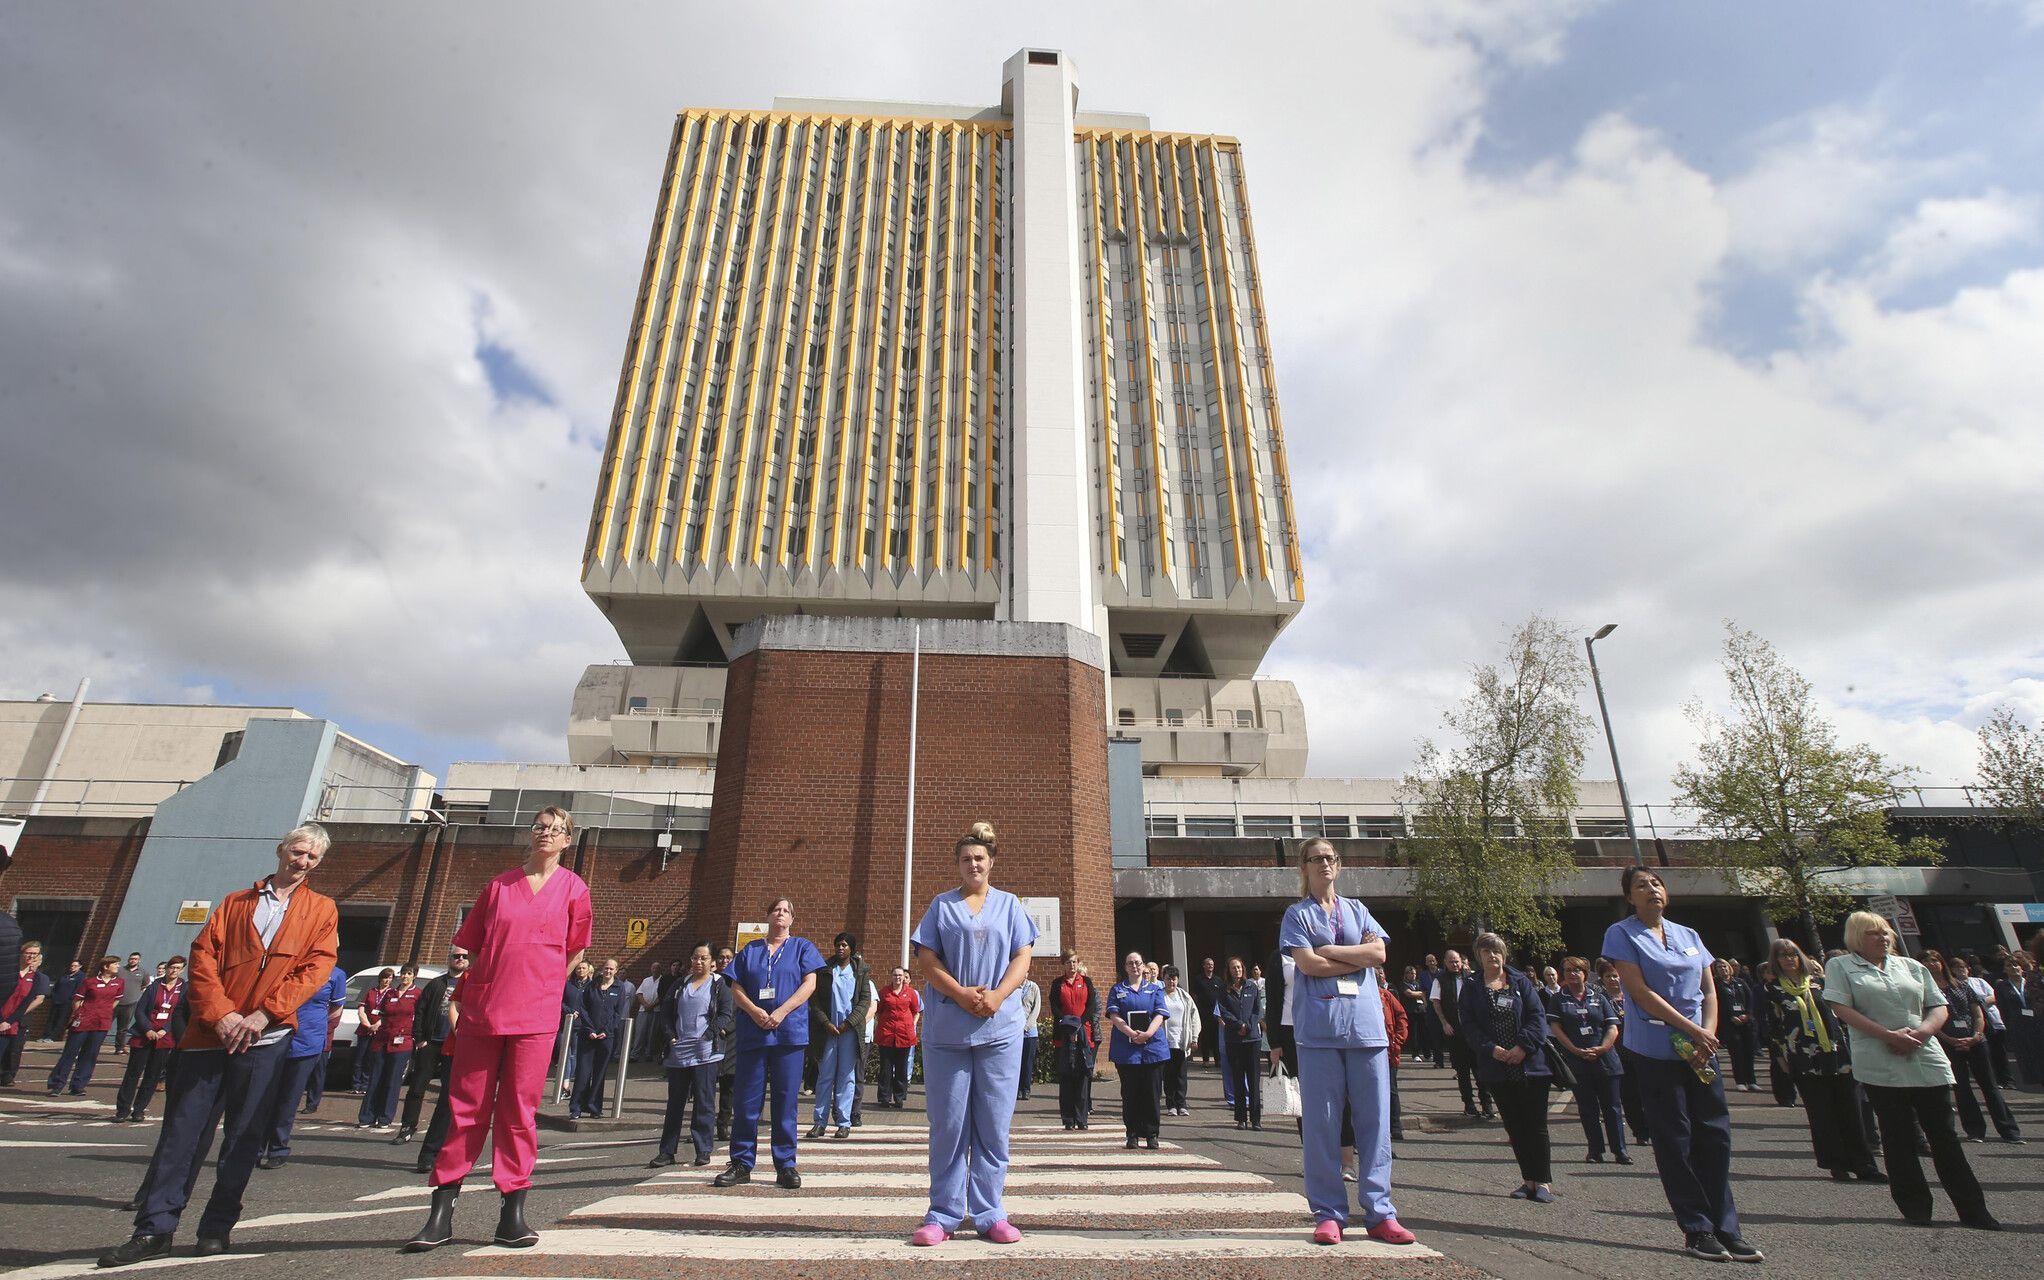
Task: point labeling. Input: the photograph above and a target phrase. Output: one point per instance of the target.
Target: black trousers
(1741, 1042)
(1629, 1095)
(686, 1085)
(1780, 1079)
(1523, 1106)
(429, 1066)
(1075, 1097)
(1692, 1131)
(146, 1069)
(1837, 1136)
(1025, 1082)
(1175, 1080)
(10, 1053)
(1244, 1070)
(1899, 1112)
(1974, 1070)
(1464, 1060)
(1998, 1054)
(893, 1075)
(726, 1075)
(211, 1085)
(1141, 1090)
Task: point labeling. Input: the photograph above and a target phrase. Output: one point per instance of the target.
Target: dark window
(1039, 58)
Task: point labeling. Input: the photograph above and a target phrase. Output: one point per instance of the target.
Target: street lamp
(1624, 802)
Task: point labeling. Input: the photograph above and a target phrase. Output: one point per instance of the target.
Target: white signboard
(1047, 915)
(10, 835)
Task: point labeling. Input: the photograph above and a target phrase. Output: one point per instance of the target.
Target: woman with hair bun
(976, 942)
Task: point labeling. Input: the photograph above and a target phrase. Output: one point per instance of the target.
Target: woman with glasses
(1807, 1038)
(1964, 1037)
(1895, 1011)
(697, 1010)
(1075, 1038)
(1672, 1030)
(1138, 1046)
(771, 981)
(1505, 1021)
(527, 930)
(1342, 1047)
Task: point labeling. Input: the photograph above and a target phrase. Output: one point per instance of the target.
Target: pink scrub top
(520, 942)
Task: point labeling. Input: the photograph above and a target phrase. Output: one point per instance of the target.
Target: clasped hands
(1510, 1057)
(980, 1002)
(767, 1021)
(238, 1031)
(1906, 1041)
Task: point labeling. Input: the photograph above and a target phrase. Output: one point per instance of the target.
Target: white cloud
(1943, 233)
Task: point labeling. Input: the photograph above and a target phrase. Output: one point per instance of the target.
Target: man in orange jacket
(256, 959)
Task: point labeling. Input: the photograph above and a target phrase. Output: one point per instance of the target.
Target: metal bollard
(624, 1070)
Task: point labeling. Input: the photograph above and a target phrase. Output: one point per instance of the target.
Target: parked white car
(363, 980)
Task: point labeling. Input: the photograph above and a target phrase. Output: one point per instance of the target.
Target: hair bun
(983, 832)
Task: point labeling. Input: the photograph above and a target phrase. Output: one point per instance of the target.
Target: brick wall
(812, 779)
(86, 859)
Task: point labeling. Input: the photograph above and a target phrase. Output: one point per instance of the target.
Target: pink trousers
(495, 1080)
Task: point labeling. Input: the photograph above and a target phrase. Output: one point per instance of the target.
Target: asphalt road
(1214, 1202)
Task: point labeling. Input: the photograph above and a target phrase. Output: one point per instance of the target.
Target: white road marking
(46, 1145)
(854, 1180)
(1091, 1246)
(1153, 1161)
(55, 1104)
(804, 1207)
(306, 1219)
(59, 1270)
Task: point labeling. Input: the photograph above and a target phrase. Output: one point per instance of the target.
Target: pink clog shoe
(1002, 1232)
(928, 1234)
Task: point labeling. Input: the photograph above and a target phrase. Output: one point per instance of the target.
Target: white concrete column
(1180, 956)
(1053, 553)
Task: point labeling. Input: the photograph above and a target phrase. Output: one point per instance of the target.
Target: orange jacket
(232, 973)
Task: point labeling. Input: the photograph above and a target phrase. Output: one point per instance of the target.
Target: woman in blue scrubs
(1666, 971)
(1138, 1013)
(771, 979)
(1341, 1046)
(1585, 1026)
(975, 942)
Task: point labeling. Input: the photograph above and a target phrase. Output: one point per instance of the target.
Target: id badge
(1689, 951)
(2029, 1013)
(1584, 1032)
(1346, 986)
(766, 993)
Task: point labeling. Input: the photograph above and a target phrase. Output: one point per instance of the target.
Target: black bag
(1561, 1069)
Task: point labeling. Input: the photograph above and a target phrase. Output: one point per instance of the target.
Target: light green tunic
(1895, 995)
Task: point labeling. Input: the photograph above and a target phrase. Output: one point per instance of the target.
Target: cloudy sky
(1655, 314)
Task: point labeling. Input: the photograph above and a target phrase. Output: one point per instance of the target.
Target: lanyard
(1335, 922)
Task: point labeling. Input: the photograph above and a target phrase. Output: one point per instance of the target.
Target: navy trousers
(210, 1085)
(592, 1065)
(291, 1083)
(146, 1069)
(10, 1055)
(75, 1064)
(1691, 1128)
(386, 1074)
(686, 1084)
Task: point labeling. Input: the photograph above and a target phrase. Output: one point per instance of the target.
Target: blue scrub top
(1323, 1015)
(751, 972)
(1673, 967)
(1583, 1023)
(1146, 999)
(977, 950)
(310, 1038)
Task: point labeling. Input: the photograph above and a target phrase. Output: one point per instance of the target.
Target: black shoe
(1741, 1251)
(1151, 1143)
(723, 1133)
(1130, 1144)
(844, 1131)
(1490, 1113)
(512, 1232)
(1702, 1244)
(404, 1135)
(817, 1130)
(2013, 1139)
(1871, 1174)
(1982, 1221)
(788, 1179)
(1595, 1157)
(133, 1206)
(308, 1108)
(271, 1162)
(1622, 1158)
(734, 1173)
(1241, 1124)
(424, 1164)
(702, 1159)
(1841, 1175)
(1469, 1110)
(138, 1249)
(1923, 1219)
(660, 1161)
(439, 1228)
(1256, 1126)
(208, 1246)
(856, 1122)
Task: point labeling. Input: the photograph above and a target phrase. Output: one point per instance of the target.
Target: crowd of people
(1882, 1051)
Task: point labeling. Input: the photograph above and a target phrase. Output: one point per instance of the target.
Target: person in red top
(92, 1016)
(894, 1031)
(1074, 1012)
(368, 1026)
(393, 1049)
(1397, 1030)
(158, 1024)
(22, 1000)
(527, 930)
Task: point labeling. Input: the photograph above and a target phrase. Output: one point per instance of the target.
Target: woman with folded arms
(1895, 1011)
(1808, 1039)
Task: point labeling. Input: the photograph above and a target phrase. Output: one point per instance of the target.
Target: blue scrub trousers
(1227, 1076)
(292, 1078)
(210, 1084)
(837, 1078)
(1598, 1106)
(76, 1063)
(1356, 1080)
(1691, 1128)
(386, 1075)
(780, 1065)
(971, 1092)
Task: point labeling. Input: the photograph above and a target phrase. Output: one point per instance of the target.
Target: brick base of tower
(811, 796)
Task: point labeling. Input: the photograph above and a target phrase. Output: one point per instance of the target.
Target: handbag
(1561, 1071)
(1287, 1101)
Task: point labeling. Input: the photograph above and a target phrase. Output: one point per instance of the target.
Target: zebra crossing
(1079, 1197)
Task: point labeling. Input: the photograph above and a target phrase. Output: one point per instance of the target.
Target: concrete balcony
(1198, 747)
(666, 732)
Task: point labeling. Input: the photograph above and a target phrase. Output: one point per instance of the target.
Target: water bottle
(1686, 1047)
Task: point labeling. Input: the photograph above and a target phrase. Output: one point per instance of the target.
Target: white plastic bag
(1286, 1103)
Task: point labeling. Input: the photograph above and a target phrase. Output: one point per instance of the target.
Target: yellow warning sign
(748, 930)
(190, 911)
(636, 930)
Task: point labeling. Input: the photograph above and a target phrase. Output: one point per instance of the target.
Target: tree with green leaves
(1789, 810)
(1490, 841)
(2012, 768)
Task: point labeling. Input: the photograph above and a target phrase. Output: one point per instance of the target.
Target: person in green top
(1895, 1009)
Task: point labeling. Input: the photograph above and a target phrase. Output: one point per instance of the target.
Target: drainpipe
(63, 740)
(432, 890)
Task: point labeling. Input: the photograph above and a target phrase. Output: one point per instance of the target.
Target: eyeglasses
(1322, 859)
(542, 829)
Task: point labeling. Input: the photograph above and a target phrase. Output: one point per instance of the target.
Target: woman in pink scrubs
(528, 928)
